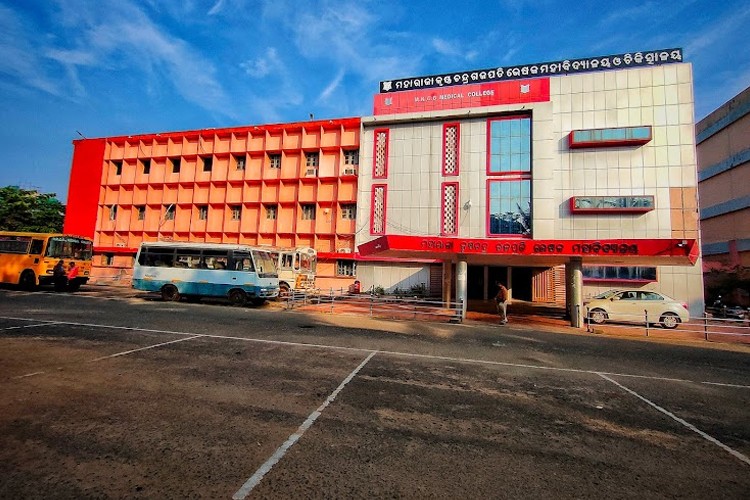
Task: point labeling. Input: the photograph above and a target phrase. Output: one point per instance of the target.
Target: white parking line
(144, 348)
(391, 353)
(251, 483)
(30, 326)
(27, 375)
(690, 426)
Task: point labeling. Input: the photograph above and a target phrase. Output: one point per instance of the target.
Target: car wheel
(598, 316)
(170, 293)
(669, 320)
(237, 298)
(27, 281)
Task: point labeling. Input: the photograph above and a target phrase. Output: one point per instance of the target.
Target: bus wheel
(170, 293)
(27, 281)
(237, 298)
(283, 291)
(257, 301)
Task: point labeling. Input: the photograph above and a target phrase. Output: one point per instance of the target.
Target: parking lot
(127, 397)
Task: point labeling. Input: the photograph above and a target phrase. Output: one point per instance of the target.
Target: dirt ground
(138, 399)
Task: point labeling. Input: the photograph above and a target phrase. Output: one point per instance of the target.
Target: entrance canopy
(628, 252)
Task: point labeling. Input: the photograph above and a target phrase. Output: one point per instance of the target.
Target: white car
(634, 306)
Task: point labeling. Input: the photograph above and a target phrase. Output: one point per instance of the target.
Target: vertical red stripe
(83, 189)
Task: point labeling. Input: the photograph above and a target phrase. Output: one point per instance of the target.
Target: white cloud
(331, 87)
(263, 66)
(445, 48)
(216, 8)
(123, 32)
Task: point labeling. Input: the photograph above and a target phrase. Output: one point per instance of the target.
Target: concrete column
(574, 291)
(461, 272)
(447, 281)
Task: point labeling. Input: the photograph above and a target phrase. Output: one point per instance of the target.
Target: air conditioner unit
(345, 250)
(350, 171)
(311, 172)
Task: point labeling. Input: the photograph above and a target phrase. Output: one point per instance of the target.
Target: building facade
(559, 180)
(723, 144)
(279, 185)
(584, 178)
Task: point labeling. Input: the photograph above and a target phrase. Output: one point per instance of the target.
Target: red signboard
(404, 246)
(463, 96)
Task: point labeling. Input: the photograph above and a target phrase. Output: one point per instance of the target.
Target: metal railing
(707, 327)
(341, 301)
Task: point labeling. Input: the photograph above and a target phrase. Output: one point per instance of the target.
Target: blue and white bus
(192, 270)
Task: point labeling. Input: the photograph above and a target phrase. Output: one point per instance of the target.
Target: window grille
(378, 209)
(380, 162)
(450, 209)
(450, 147)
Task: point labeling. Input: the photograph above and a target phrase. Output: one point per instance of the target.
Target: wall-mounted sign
(567, 66)
(611, 204)
(609, 137)
(465, 96)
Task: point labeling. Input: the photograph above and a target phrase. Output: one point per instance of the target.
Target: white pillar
(461, 272)
(574, 289)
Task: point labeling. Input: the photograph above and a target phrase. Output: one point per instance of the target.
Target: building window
(236, 212)
(609, 137)
(271, 212)
(308, 212)
(351, 157)
(509, 164)
(240, 162)
(141, 212)
(113, 212)
(377, 217)
(619, 273)
(175, 165)
(146, 167)
(312, 160)
(274, 160)
(169, 212)
(346, 268)
(118, 167)
(208, 164)
(380, 155)
(611, 204)
(450, 148)
(203, 212)
(349, 211)
(108, 259)
(449, 209)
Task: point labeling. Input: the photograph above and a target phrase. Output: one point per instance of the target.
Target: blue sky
(122, 67)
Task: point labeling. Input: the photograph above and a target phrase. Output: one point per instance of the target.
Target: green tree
(30, 210)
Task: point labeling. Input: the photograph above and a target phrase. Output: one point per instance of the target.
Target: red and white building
(580, 172)
(558, 179)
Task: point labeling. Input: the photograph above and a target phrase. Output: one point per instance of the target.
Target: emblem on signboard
(525, 89)
(388, 101)
(387, 86)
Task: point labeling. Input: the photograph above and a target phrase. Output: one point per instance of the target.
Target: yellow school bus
(28, 259)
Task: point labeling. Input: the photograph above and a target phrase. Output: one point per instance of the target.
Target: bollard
(371, 300)
(331, 300)
(705, 326)
(645, 311)
(588, 319)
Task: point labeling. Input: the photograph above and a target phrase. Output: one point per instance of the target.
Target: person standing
(72, 275)
(60, 276)
(501, 299)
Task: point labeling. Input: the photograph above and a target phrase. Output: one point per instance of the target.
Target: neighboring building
(281, 185)
(723, 144)
(586, 178)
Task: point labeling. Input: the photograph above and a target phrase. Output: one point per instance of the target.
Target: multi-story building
(558, 179)
(514, 174)
(723, 144)
(281, 185)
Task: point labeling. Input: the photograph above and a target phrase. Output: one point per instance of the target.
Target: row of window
(312, 160)
(346, 268)
(308, 210)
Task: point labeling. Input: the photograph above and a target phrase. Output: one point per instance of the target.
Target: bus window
(36, 247)
(215, 259)
(243, 262)
(187, 258)
(61, 247)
